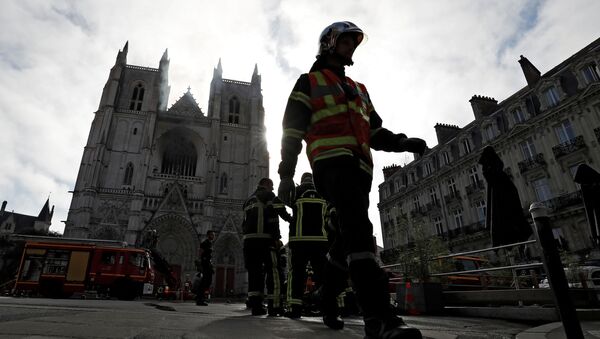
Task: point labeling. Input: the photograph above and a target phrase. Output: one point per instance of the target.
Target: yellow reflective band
(257, 236)
(365, 167)
(301, 97)
(320, 79)
(329, 100)
(249, 207)
(276, 281)
(359, 109)
(336, 141)
(314, 200)
(255, 294)
(293, 133)
(331, 153)
(328, 112)
(309, 238)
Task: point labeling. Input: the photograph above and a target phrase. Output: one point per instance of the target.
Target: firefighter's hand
(286, 190)
(413, 145)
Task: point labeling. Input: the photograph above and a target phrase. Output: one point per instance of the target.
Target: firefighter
(336, 118)
(261, 235)
(206, 268)
(307, 243)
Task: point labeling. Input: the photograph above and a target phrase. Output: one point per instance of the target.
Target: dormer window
(137, 98)
(446, 157)
(428, 168)
(466, 145)
(552, 97)
(518, 115)
(234, 111)
(590, 73)
(488, 132)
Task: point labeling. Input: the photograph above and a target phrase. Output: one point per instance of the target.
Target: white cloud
(422, 63)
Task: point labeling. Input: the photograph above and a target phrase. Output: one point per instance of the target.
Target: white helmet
(331, 33)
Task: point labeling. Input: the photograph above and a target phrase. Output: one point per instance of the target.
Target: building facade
(542, 133)
(178, 170)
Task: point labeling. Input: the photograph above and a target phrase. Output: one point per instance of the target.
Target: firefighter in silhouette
(206, 268)
(261, 236)
(334, 115)
(307, 243)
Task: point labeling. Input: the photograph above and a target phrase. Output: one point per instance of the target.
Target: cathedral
(177, 170)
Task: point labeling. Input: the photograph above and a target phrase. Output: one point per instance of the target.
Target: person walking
(206, 268)
(337, 120)
(262, 211)
(307, 243)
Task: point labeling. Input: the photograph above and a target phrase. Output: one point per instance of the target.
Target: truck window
(56, 262)
(32, 268)
(109, 258)
(136, 259)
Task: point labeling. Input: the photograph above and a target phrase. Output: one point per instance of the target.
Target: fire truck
(59, 267)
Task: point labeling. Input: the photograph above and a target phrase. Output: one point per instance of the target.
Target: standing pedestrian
(336, 118)
(206, 268)
(261, 235)
(307, 243)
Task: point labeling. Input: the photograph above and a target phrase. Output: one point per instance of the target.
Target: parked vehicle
(59, 267)
(579, 277)
(467, 280)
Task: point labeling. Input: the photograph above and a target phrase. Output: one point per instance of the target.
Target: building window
(428, 168)
(137, 98)
(528, 149)
(223, 185)
(473, 175)
(480, 207)
(128, 174)
(179, 158)
(559, 239)
(466, 146)
(433, 196)
(488, 132)
(458, 219)
(552, 96)
(416, 203)
(135, 131)
(439, 228)
(541, 189)
(518, 115)
(590, 73)
(451, 187)
(413, 178)
(564, 131)
(446, 157)
(234, 111)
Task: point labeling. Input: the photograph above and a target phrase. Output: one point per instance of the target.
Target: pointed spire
(45, 212)
(218, 72)
(255, 76)
(532, 74)
(255, 70)
(122, 55)
(165, 56)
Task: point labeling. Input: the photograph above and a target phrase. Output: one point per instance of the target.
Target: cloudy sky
(423, 61)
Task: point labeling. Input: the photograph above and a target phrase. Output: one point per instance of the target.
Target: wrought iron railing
(453, 195)
(531, 163)
(568, 147)
(474, 187)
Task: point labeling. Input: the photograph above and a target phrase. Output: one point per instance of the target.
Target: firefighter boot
(371, 285)
(256, 305)
(328, 292)
(274, 311)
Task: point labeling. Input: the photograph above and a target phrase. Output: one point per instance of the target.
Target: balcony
(565, 200)
(475, 187)
(532, 163)
(432, 206)
(454, 195)
(418, 212)
(568, 147)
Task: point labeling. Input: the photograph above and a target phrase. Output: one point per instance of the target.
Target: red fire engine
(59, 267)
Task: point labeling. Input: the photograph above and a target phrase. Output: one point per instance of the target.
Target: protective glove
(286, 190)
(413, 145)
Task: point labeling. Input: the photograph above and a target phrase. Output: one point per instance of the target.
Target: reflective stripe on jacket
(339, 125)
(309, 216)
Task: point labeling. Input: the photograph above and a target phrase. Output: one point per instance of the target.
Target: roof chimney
(532, 74)
(483, 106)
(445, 132)
(3, 206)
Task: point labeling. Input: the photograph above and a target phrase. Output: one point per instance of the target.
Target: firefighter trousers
(346, 185)
(260, 259)
(300, 254)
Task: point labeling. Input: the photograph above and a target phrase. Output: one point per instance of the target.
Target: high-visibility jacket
(261, 216)
(309, 215)
(339, 125)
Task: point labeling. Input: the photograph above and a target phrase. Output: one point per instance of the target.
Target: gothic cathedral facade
(175, 170)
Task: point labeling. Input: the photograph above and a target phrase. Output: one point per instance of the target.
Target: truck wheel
(124, 289)
(51, 289)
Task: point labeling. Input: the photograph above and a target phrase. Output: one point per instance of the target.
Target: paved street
(74, 318)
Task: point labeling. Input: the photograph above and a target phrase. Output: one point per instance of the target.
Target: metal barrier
(550, 261)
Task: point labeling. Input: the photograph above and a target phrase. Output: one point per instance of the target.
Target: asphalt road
(75, 318)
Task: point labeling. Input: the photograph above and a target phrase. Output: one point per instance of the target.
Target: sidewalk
(591, 330)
